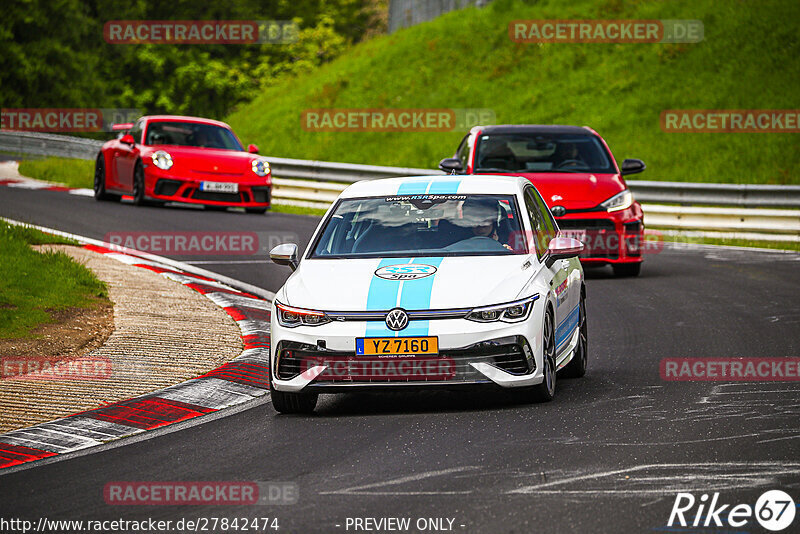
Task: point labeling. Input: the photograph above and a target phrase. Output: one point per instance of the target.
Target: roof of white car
(437, 184)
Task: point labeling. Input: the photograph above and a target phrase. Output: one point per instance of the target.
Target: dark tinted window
(422, 225)
(136, 131)
(191, 134)
(542, 222)
(463, 151)
(547, 218)
(532, 152)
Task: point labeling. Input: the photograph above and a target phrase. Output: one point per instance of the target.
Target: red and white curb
(10, 177)
(236, 382)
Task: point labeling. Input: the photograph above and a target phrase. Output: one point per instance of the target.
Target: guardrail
(741, 195)
(64, 146)
(318, 183)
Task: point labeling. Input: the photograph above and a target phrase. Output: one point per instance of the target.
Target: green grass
(70, 172)
(297, 210)
(32, 284)
(749, 59)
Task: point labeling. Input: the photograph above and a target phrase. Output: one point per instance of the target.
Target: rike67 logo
(774, 510)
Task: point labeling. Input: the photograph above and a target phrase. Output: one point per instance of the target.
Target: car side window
(136, 131)
(463, 151)
(537, 223)
(547, 216)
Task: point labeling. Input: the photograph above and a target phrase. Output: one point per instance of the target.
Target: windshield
(536, 152)
(422, 225)
(191, 134)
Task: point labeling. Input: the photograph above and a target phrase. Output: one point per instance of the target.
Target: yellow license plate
(371, 346)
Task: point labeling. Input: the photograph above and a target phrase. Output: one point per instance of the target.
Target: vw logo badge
(397, 319)
(559, 211)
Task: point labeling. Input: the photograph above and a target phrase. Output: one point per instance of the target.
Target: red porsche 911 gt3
(166, 158)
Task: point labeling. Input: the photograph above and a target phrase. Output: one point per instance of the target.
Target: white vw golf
(423, 282)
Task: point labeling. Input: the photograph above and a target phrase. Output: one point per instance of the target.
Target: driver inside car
(570, 156)
(481, 216)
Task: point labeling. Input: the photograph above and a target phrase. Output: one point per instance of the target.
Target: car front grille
(260, 194)
(167, 187)
(633, 227)
(586, 224)
(216, 197)
(449, 366)
(602, 240)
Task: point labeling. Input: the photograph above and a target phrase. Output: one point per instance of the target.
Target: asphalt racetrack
(609, 454)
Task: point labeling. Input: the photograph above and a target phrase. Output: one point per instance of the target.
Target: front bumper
(311, 361)
(160, 185)
(610, 238)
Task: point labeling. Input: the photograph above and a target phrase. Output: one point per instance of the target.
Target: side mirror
(449, 165)
(253, 149)
(127, 139)
(632, 166)
(285, 254)
(561, 248)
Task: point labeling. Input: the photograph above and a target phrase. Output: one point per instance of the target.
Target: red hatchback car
(165, 158)
(576, 174)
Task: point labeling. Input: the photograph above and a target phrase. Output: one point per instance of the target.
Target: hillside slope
(749, 59)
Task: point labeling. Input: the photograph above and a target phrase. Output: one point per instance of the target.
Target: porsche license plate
(219, 187)
(378, 346)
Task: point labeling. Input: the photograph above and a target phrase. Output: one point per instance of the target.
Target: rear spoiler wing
(121, 127)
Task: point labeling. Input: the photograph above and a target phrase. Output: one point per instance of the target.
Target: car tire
(256, 211)
(100, 180)
(138, 185)
(623, 270)
(576, 368)
(545, 391)
(289, 403)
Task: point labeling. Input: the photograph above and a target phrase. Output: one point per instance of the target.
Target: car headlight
(618, 202)
(260, 167)
(512, 312)
(162, 159)
(291, 317)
